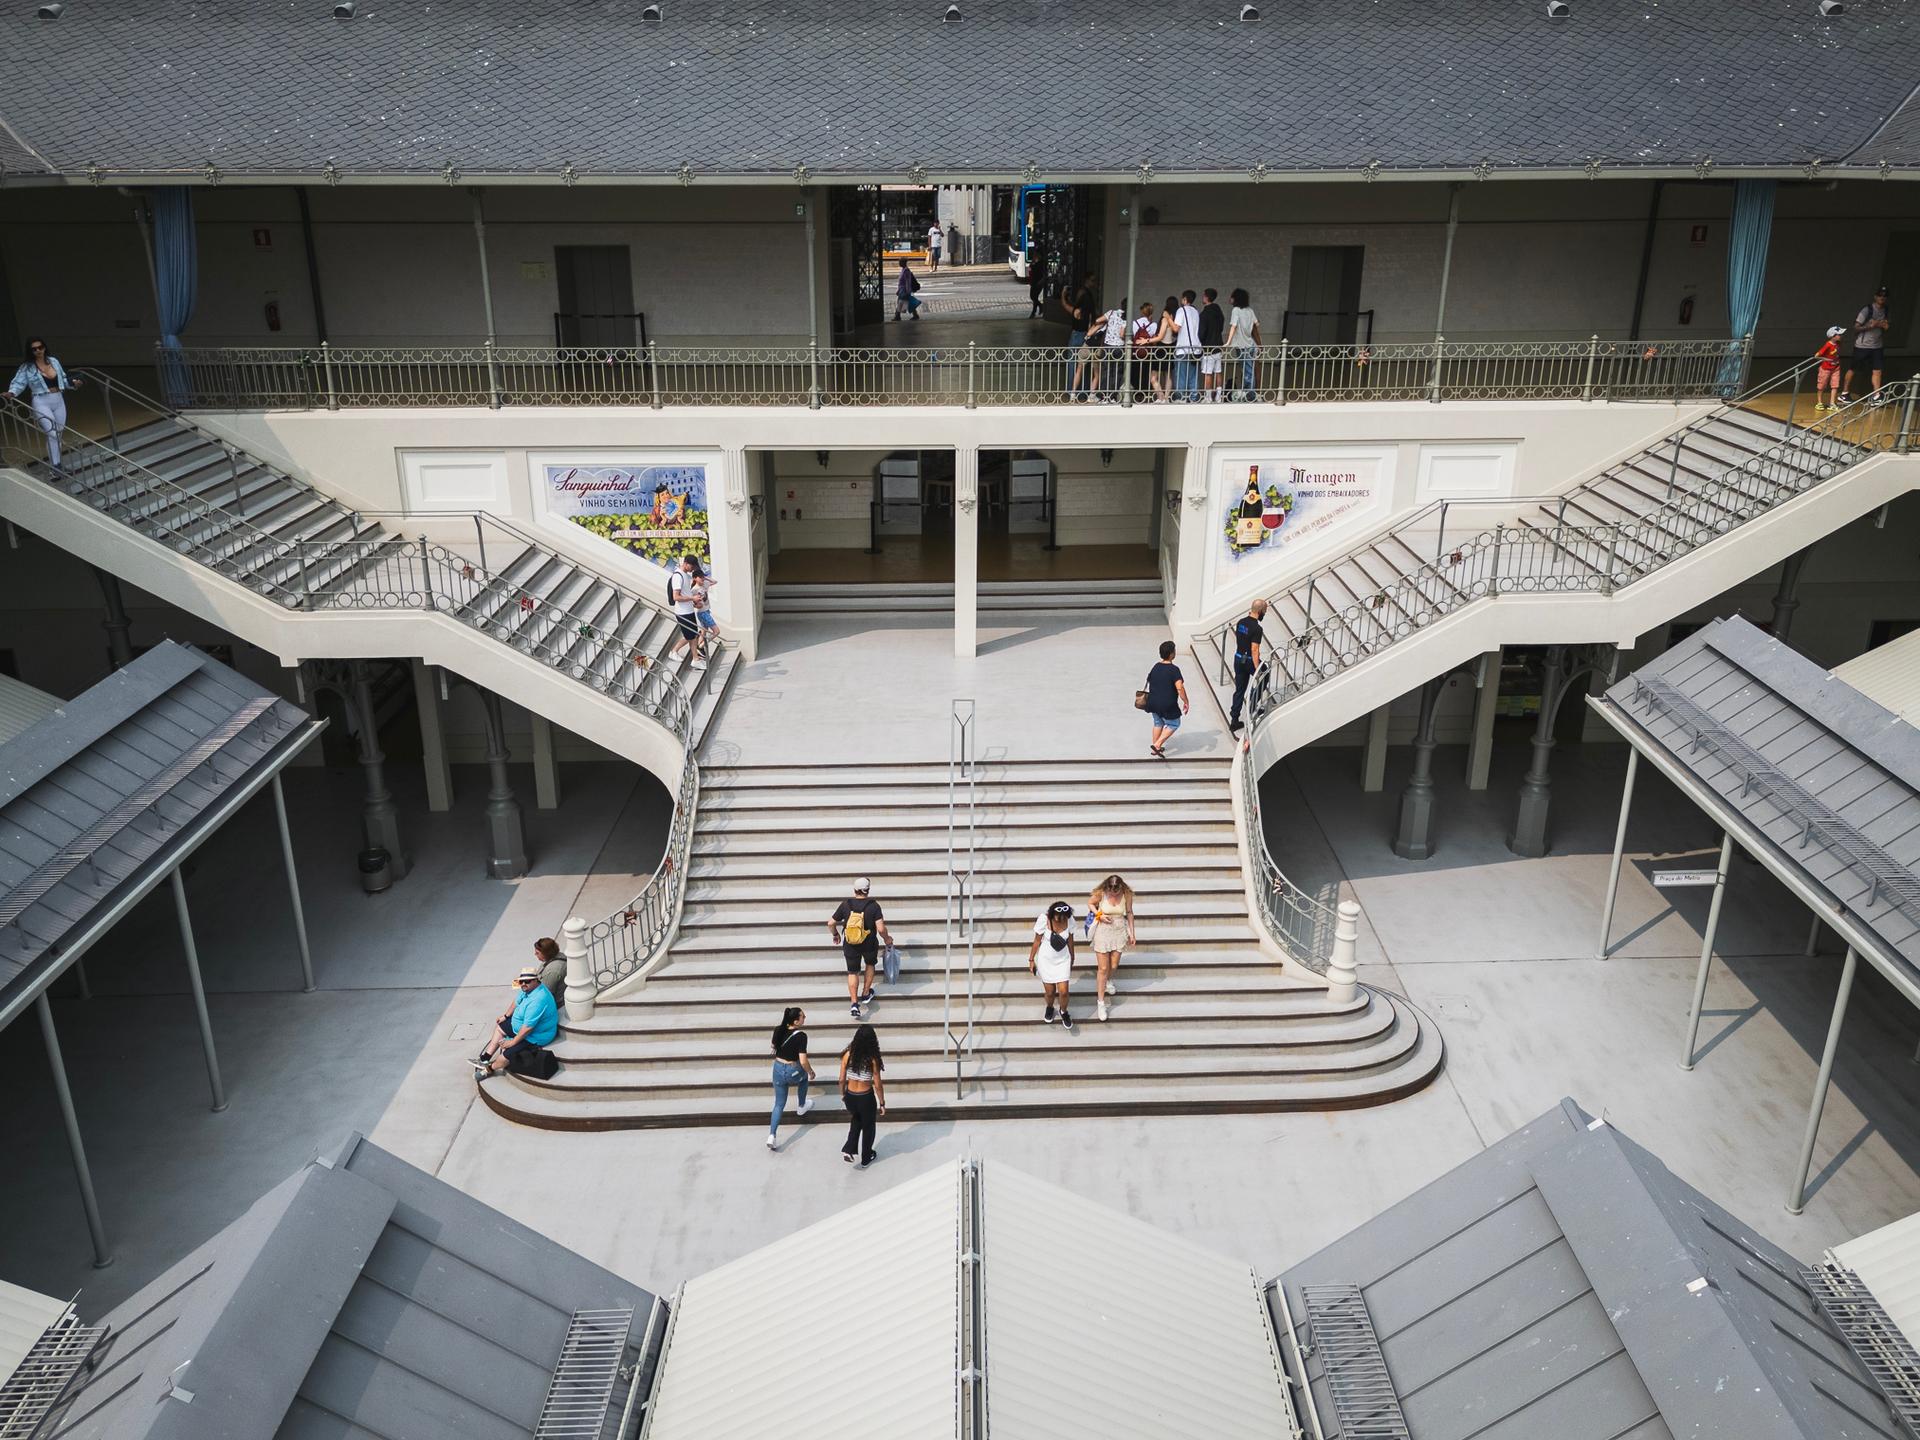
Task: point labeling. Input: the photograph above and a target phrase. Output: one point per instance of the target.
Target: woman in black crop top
(791, 1067)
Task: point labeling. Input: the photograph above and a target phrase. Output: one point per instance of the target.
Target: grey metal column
(508, 856)
(1414, 839)
(1619, 850)
(102, 1257)
(379, 816)
(117, 625)
(199, 990)
(1706, 945)
(1128, 301)
(1813, 936)
(1786, 599)
(293, 884)
(1529, 837)
(486, 279)
(813, 286)
(1446, 259)
(1799, 1201)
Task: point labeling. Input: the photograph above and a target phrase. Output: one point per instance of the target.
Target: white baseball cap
(861, 885)
(1833, 330)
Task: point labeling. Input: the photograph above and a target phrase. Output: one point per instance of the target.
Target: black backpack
(533, 1062)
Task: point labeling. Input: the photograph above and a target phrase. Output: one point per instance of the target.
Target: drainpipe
(486, 280)
(1446, 260)
(313, 265)
(1646, 259)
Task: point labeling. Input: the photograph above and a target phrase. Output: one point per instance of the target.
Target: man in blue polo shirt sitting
(531, 1022)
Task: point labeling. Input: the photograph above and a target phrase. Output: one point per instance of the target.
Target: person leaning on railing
(44, 381)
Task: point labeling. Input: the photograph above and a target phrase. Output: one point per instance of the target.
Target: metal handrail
(626, 941)
(1301, 924)
(963, 842)
(485, 373)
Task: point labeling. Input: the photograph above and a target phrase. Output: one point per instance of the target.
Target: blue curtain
(176, 271)
(1746, 269)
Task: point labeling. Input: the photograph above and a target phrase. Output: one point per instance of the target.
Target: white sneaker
(1101, 1012)
(805, 1106)
(772, 1144)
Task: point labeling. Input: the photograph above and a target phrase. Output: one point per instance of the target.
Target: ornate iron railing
(624, 943)
(1301, 923)
(347, 377)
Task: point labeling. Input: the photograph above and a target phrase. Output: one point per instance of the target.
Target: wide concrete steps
(1137, 599)
(859, 843)
(1229, 971)
(903, 866)
(1078, 1073)
(1226, 925)
(989, 772)
(718, 889)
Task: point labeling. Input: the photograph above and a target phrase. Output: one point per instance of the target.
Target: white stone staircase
(1706, 507)
(1132, 599)
(207, 503)
(1205, 1020)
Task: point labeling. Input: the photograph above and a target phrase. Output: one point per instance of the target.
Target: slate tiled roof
(1548, 1286)
(1837, 749)
(97, 798)
(359, 1297)
(875, 87)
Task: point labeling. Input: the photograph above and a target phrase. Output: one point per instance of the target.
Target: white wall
(1103, 503)
(826, 507)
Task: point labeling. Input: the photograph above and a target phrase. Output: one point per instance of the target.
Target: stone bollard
(580, 986)
(1343, 976)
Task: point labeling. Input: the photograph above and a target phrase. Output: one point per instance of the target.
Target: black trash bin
(376, 870)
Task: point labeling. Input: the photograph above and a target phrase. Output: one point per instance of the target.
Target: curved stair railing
(1299, 923)
(1557, 557)
(377, 571)
(627, 942)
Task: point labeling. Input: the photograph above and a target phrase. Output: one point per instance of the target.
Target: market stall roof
(899, 90)
(104, 796)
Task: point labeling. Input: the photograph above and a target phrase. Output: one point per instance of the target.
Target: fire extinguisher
(1686, 310)
(273, 315)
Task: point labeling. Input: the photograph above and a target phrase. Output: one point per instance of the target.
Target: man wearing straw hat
(530, 1022)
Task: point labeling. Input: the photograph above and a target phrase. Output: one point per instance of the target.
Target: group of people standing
(1192, 350)
(1868, 358)
(858, 927)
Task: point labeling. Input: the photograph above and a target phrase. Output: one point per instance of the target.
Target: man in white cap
(530, 1022)
(857, 929)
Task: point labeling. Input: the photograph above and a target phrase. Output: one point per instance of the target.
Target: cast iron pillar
(117, 625)
(379, 817)
(1529, 837)
(507, 857)
(1414, 840)
(1786, 599)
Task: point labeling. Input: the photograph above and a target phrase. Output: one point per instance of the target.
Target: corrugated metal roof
(1888, 1259)
(1548, 1287)
(361, 1297)
(846, 1329)
(95, 797)
(1888, 675)
(24, 1318)
(1100, 1324)
(22, 707)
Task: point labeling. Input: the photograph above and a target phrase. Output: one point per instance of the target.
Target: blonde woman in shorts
(1111, 908)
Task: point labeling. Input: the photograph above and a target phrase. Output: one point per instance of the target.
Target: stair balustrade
(626, 942)
(1300, 923)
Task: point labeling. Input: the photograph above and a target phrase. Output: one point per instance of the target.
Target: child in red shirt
(1827, 378)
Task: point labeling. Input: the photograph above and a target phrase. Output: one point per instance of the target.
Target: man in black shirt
(1213, 333)
(1247, 637)
(857, 929)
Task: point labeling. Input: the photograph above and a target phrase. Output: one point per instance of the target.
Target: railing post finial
(580, 984)
(1343, 971)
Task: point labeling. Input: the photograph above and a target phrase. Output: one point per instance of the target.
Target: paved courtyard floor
(1498, 949)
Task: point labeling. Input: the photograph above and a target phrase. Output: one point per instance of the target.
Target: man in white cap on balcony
(857, 929)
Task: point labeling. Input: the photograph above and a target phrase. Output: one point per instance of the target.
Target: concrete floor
(1498, 949)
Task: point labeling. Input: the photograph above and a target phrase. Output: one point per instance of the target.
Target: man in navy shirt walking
(1247, 636)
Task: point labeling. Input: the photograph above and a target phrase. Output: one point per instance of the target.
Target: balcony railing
(970, 375)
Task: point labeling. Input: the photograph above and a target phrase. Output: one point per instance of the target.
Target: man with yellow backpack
(857, 929)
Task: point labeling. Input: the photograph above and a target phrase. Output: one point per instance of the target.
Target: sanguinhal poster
(658, 512)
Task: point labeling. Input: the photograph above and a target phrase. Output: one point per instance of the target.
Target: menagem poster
(1276, 501)
(658, 512)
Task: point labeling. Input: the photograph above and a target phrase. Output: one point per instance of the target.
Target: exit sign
(262, 238)
(1698, 235)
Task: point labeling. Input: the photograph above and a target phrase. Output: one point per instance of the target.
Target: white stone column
(1197, 531)
(546, 765)
(580, 988)
(433, 737)
(1486, 702)
(1373, 759)
(730, 522)
(966, 551)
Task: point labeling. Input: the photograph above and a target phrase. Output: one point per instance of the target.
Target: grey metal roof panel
(879, 86)
(1541, 1288)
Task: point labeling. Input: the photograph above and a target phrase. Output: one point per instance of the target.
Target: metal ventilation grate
(1356, 1372)
(584, 1377)
(37, 1386)
(1870, 1333)
(1887, 877)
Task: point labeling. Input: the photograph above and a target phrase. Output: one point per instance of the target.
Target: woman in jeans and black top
(863, 1092)
(791, 1067)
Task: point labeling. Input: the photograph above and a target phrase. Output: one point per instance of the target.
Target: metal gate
(853, 216)
(1063, 232)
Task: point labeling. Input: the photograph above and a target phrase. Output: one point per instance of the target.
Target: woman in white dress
(1051, 958)
(1111, 910)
